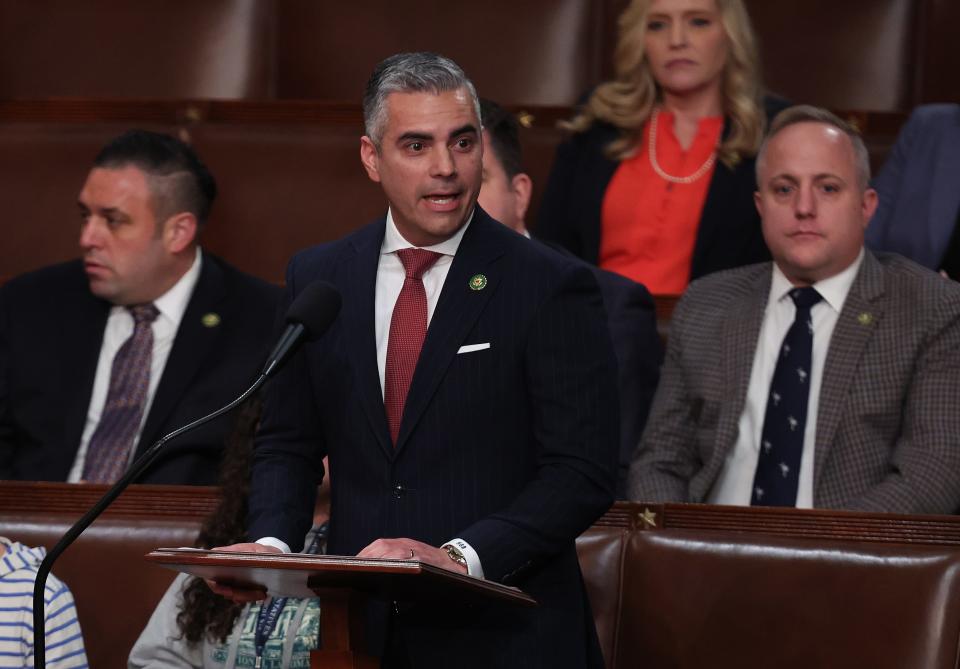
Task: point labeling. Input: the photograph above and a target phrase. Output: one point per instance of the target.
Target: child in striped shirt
(64, 641)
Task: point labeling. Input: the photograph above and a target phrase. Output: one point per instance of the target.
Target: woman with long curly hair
(657, 181)
(194, 628)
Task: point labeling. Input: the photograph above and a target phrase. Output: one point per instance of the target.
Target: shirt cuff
(276, 543)
(474, 568)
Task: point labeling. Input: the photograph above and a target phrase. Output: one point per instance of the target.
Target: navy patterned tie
(109, 448)
(781, 441)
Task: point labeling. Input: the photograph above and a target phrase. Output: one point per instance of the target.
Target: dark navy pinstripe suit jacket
(512, 448)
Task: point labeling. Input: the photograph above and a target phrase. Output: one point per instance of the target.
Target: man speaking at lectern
(466, 396)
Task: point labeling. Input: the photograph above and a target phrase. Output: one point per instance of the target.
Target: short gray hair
(410, 73)
(811, 114)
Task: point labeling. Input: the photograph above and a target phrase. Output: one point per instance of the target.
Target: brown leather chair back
(115, 589)
(602, 550)
(685, 585)
(532, 52)
(856, 54)
(696, 598)
(117, 48)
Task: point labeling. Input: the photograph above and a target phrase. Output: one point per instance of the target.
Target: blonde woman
(657, 181)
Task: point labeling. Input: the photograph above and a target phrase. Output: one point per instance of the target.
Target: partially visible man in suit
(919, 191)
(466, 396)
(101, 356)
(631, 315)
(827, 378)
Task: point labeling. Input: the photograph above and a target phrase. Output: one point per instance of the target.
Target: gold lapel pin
(477, 282)
(210, 320)
(865, 318)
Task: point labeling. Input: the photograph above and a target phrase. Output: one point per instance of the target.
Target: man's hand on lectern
(241, 595)
(410, 549)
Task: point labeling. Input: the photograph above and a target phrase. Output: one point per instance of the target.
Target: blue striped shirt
(64, 641)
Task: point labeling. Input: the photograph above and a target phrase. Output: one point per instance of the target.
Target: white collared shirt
(390, 278)
(735, 482)
(119, 328)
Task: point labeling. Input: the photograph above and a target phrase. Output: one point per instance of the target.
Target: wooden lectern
(343, 585)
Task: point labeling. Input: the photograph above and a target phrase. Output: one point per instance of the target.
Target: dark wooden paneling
(289, 171)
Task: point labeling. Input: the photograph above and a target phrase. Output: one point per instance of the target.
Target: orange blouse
(649, 224)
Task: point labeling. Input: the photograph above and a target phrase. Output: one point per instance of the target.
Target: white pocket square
(470, 348)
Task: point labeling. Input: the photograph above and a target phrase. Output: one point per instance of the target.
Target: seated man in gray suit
(828, 378)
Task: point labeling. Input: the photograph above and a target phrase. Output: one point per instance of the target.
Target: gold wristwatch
(456, 555)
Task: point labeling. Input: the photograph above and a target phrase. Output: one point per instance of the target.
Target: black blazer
(632, 320)
(570, 213)
(512, 448)
(51, 329)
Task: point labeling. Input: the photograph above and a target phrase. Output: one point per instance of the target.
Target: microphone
(312, 312)
(309, 316)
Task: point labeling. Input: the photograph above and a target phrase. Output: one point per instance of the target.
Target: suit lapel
(457, 310)
(741, 330)
(861, 314)
(191, 346)
(360, 289)
(80, 354)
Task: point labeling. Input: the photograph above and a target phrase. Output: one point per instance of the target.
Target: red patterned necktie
(109, 448)
(408, 328)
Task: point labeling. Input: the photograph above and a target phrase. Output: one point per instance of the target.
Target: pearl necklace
(652, 151)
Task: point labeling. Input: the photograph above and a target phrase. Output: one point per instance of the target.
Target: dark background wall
(268, 91)
(877, 55)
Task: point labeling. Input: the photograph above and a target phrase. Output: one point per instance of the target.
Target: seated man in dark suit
(919, 190)
(631, 316)
(827, 378)
(101, 356)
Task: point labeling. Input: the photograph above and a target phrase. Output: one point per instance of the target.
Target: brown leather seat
(670, 585)
(856, 54)
(695, 598)
(115, 48)
(602, 551)
(532, 52)
(694, 586)
(115, 590)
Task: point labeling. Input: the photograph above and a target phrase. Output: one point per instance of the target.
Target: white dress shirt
(390, 278)
(735, 482)
(119, 328)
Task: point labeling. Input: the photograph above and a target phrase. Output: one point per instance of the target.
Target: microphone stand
(137, 468)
